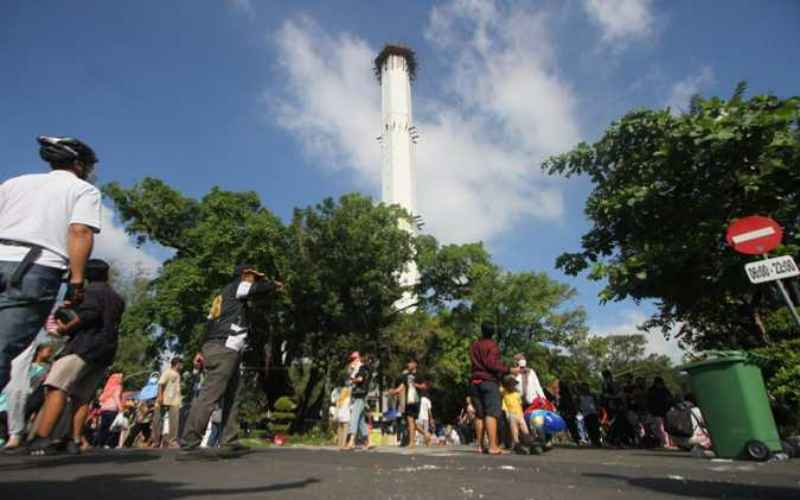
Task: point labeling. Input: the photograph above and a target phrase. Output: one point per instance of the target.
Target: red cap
(354, 355)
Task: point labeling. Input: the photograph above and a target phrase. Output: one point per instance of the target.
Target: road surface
(298, 473)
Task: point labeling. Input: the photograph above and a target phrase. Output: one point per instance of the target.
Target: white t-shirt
(39, 208)
(528, 383)
(424, 409)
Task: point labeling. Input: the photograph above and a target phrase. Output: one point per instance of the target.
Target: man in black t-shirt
(92, 332)
(408, 386)
(221, 356)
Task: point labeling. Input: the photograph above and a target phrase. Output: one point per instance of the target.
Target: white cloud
(621, 20)
(628, 323)
(115, 246)
(506, 109)
(682, 92)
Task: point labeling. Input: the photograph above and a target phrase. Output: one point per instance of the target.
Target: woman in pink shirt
(110, 404)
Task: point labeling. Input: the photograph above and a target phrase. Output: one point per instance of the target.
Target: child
(425, 418)
(342, 417)
(19, 394)
(512, 405)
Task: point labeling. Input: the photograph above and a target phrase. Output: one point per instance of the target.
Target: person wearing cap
(92, 335)
(225, 339)
(47, 226)
(527, 381)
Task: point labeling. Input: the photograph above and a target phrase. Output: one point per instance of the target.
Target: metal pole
(788, 299)
(789, 302)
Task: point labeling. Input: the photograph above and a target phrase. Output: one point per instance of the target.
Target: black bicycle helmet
(65, 150)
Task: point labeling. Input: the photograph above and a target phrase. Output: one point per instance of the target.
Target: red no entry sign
(754, 235)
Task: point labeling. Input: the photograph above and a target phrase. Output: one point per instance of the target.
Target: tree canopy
(666, 186)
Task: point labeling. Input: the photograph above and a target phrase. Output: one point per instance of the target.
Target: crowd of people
(56, 349)
(498, 414)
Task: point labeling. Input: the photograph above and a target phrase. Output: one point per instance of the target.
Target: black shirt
(361, 389)
(95, 338)
(233, 315)
(659, 401)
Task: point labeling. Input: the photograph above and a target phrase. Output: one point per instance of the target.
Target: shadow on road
(704, 489)
(130, 486)
(6, 464)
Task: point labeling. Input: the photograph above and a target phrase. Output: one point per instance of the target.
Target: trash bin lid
(724, 357)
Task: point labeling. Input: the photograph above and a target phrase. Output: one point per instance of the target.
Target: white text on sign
(772, 269)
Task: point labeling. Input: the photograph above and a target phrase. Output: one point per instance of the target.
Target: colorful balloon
(546, 422)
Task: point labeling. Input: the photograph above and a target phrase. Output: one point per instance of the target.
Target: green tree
(344, 260)
(782, 374)
(528, 307)
(339, 260)
(623, 350)
(137, 350)
(666, 187)
(209, 237)
(448, 272)
(623, 354)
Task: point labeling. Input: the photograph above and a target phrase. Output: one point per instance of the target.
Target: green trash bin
(731, 394)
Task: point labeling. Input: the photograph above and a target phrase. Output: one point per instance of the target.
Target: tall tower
(395, 68)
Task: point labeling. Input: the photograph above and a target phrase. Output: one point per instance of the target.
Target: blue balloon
(546, 421)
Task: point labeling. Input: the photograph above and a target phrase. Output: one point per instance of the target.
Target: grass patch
(314, 437)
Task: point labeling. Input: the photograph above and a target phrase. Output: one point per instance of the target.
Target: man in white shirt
(527, 381)
(47, 226)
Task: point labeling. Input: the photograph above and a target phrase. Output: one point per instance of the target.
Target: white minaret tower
(395, 68)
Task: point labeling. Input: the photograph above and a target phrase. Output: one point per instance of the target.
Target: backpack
(679, 421)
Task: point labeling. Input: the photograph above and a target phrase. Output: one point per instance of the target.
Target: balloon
(546, 421)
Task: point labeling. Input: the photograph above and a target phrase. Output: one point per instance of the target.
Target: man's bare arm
(80, 240)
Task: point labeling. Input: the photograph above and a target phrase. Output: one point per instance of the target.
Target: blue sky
(279, 97)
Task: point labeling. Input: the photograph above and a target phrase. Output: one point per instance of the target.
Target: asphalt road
(563, 474)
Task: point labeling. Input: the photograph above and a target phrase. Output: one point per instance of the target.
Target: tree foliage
(137, 350)
(782, 376)
(666, 187)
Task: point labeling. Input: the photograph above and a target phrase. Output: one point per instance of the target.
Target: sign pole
(787, 298)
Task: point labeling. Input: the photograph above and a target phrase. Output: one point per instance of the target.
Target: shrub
(782, 378)
(284, 415)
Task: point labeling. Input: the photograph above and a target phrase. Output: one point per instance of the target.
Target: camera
(65, 315)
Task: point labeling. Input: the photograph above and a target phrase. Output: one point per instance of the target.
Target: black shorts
(412, 410)
(486, 399)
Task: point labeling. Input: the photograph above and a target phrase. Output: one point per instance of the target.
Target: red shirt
(486, 363)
